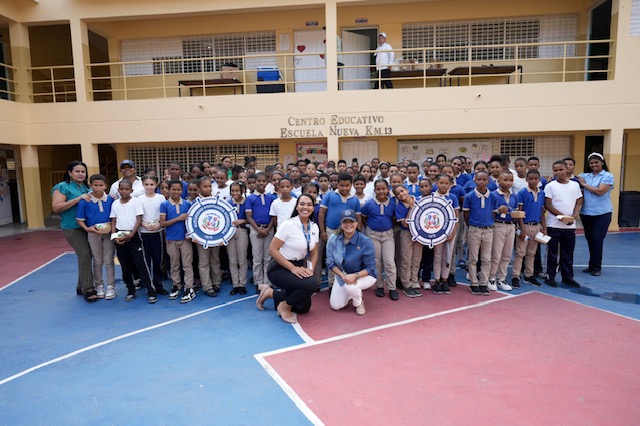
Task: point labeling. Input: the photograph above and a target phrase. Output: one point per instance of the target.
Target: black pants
(563, 242)
(595, 229)
(384, 76)
(426, 264)
(153, 243)
(295, 291)
(131, 256)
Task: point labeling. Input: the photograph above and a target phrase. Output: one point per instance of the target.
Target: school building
(191, 80)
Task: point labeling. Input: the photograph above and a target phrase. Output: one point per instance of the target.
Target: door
(363, 150)
(312, 67)
(356, 78)
(600, 30)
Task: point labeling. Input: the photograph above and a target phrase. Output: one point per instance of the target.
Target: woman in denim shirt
(352, 258)
(597, 209)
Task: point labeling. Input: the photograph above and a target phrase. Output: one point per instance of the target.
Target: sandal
(91, 296)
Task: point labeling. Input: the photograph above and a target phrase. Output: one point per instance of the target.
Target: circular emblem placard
(432, 220)
(210, 221)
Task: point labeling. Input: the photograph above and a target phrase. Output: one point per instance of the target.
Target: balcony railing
(522, 63)
(8, 84)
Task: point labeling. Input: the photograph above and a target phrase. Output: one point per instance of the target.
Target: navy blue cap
(129, 163)
(348, 214)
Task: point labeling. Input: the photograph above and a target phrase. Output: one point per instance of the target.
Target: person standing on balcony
(384, 58)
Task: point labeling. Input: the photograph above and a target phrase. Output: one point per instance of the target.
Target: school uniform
(412, 188)
(92, 212)
(282, 210)
(504, 233)
(532, 203)
(209, 267)
(410, 251)
(153, 241)
(379, 217)
(471, 185)
(238, 246)
(223, 193)
(178, 247)
(259, 205)
(481, 208)
(444, 252)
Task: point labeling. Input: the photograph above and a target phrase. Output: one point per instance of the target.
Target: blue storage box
(268, 74)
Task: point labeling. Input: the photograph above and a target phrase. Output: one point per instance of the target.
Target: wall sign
(336, 125)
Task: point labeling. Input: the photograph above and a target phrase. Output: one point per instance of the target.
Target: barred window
(198, 47)
(518, 147)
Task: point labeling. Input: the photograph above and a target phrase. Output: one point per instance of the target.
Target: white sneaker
(100, 292)
(138, 283)
(504, 286)
(492, 286)
(189, 295)
(426, 285)
(360, 309)
(467, 276)
(111, 293)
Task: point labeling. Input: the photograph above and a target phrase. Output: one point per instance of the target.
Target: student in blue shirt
(173, 214)
(530, 200)
(410, 251)
(378, 215)
(480, 166)
(351, 257)
(479, 207)
(456, 191)
(412, 183)
(426, 263)
(504, 233)
(443, 252)
(239, 243)
(93, 217)
(261, 231)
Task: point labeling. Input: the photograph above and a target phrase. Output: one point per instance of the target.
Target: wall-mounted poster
(418, 151)
(314, 151)
(5, 194)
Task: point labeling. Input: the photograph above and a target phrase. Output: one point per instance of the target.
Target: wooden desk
(500, 70)
(429, 72)
(210, 84)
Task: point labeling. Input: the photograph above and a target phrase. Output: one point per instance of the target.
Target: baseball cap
(348, 214)
(383, 35)
(129, 163)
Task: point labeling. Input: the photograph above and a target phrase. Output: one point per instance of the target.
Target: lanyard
(307, 235)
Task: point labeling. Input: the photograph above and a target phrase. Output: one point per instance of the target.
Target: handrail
(8, 83)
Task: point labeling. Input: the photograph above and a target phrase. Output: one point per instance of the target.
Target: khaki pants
(181, 250)
(479, 244)
(261, 256)
(525, 250)
(237, 250)
(504, 235)
(443, 255)
(103, 250)
(385, 247)
(209, 266)
(410, 257)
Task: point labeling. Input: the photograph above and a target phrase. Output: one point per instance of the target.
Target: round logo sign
(432, 220)
(210, 221)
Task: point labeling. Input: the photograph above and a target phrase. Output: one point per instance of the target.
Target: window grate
(634, 28)
(517, 147)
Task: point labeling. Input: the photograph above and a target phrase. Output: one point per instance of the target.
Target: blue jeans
(595, 230)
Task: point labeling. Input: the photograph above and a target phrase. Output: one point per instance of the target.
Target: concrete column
(613, 142)
(331, 40)
(90, 157)
(80, 50)
(21, 59)
(31, 186)
(333, 148)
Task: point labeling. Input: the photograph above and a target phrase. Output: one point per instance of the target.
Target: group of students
(149, 217)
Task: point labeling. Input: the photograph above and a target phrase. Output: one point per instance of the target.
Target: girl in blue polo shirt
(478, 207)
(239, 243)
(410, 251)
(443, 252)
(378, 216)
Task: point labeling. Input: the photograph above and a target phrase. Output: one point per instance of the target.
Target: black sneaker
(151, 297)
(242, 291)
(551, 282)
(131, 294)
(444, 287)
(189, 295)
(533, 281)
(451, 281)
(234, 291)
(210, 293)
(417, 292)
(161, 291)
(475, 290)
(436, 288)
(515, 282)
(174, 293)
(380, 292)
(409, 292)
(570, 282)
(484, 290)
(393, 294)
(216, 288)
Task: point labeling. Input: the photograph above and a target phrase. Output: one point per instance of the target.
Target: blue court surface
(65, 361)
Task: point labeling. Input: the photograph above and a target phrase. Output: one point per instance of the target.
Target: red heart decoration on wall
(322, 55)
(301, 48)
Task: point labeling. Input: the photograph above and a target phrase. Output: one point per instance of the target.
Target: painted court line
(115, 339)
(35, 270)
(592, 307)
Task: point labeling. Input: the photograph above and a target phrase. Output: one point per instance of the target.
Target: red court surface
(20, 253)
(530, 359)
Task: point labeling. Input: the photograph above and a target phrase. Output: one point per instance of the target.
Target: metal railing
(521, 63)
(8, 84)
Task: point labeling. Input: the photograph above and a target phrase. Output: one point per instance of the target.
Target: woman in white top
(294, 254)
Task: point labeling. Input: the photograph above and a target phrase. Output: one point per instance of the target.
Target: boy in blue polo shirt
(333, 204)
(257, 209)
(173, 214)
(504, 232)
(479, 207)
(412, 183)
(530, 200)
(92, 216)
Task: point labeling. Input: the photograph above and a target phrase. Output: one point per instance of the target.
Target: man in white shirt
(128, 170)
(384, 58)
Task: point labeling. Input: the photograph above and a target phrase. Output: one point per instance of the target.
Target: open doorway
(600, 30)
(357, 74)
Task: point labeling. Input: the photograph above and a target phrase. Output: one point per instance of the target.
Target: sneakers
(211, 293)
(570, 282)
(485, 290)
(504, 286)
(100, 292)
(393, 295)
(410, 292)
(111, 293)
(380, 292)
(131, 294)
(151, 297)
(137, 283)
(426, 285)
(551, 282)
(533, 281)
(360, 310)
(492, 285)
(189, 295)
(216, 288)
(161, 291)
(451, 281)
(515, 282)
(475, 290)
(417, 292)
(174, 293)
(462, 264)
(437, 288)
(444, 287)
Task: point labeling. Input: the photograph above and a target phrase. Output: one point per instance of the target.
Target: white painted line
(35, 270)
(303, 334)
(123, 336)
(289, 391)
(611, 266)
